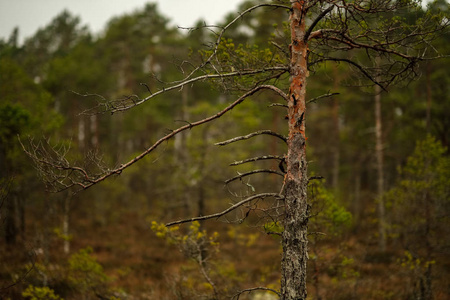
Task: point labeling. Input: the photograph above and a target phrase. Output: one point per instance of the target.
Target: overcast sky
(29, 15)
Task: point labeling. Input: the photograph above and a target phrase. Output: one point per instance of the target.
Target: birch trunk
(294, 238)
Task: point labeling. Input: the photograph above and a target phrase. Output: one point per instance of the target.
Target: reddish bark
(294, 238)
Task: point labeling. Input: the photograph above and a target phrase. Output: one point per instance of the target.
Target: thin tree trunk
(202, 171)
(65, 226)
(428, 112)
(357, 192)
(294, 237)
(335, 146)
(94, 131)
(81, 133)
(10, 221)
(380, 172)
(183, 155)
(336, 128)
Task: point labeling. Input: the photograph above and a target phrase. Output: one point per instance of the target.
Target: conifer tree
(318, 32)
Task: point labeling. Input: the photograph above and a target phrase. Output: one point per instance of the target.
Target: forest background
(104, 242)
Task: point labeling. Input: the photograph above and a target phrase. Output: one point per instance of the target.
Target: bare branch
(253, 134)
(278, 104)
(21, 278)
(124, 104)
(146, 85)
(265, 157)
(321, 97)
(315, 178)
(48, 159)
(278, 91)
(224, 29)
(254, 289)
(314, 23)
(208, 279)
(358, 66)
(220, 214)
(253, 172)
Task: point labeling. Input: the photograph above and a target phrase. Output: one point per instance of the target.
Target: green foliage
(14, 119)
(79, 276)
(424, 187)
(59, 233)
(326, 213)
(419, 206)
(425, 180)
(29, 103)
(415, 264)
(242, 57)
(242, 239)
(273, 227)
(198, 246)
(40, 293)
(245, 57)
(192, 243)
(428, 168)
(85, 273)
(328, 221)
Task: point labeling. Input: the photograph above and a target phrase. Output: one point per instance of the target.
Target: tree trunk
(336, 134)
(11, 230)
(93, 122)
(182, 156)
(81, 133)
(380, 171)
(429, 97)
(65, 227)
(357, 191)
(294, 238)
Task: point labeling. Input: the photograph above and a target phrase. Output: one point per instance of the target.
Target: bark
(11, 230)
(294, 237)
(357, 193)
(66, 246)
(335, 146)
(182, 155)
(380, 171)
(81, 133)
(429, 97)
(203, 173)
(336, 128)
(94, 130)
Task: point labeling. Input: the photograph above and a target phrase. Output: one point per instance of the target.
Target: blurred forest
(108, 242)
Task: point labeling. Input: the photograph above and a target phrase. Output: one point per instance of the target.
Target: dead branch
(224, 29)
(236, 296)
(314, 23)
(58, 173)
(125, 104)
(315, 178)
(207, 277)
(361, 68)
(128, 102)
(321, 97)
(240, 176)
(226, 211)
(253, 134)
(253, 159)
(278, 104)
(22, 277)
